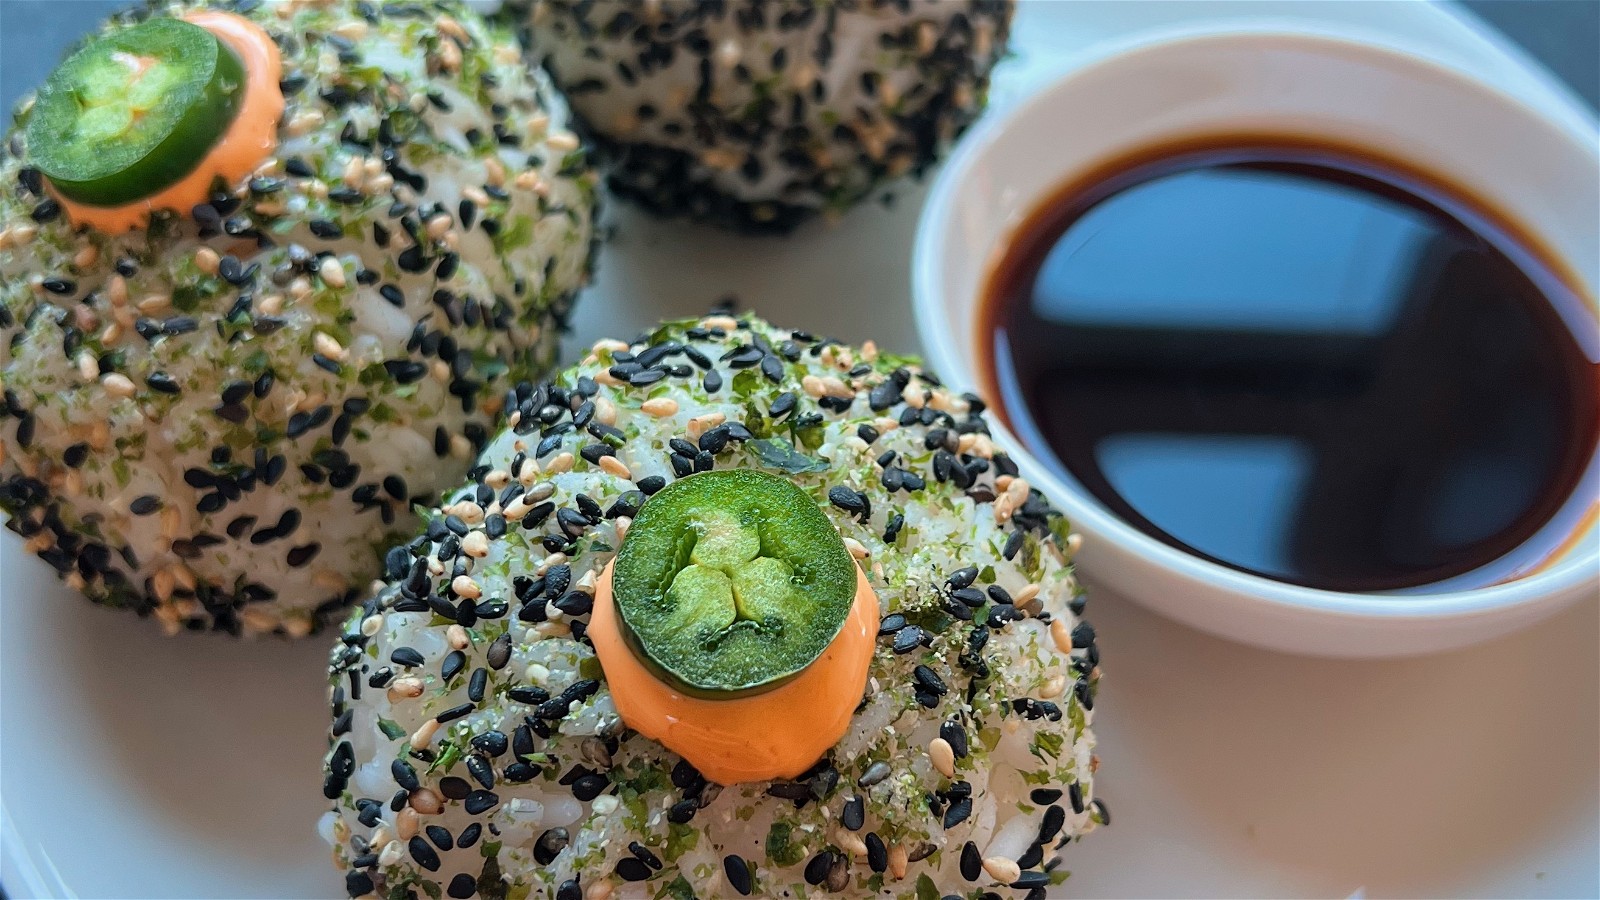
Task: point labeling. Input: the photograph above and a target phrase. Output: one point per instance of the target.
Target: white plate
(137, 766)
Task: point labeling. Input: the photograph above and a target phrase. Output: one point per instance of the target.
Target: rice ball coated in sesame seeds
(757, 115)
(476, 734)
(219, 420)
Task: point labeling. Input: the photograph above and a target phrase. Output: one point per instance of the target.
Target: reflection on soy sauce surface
(1301, 364)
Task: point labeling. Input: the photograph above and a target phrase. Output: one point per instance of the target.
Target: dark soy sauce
(1300, 362)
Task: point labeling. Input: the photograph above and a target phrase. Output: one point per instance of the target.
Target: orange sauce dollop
(776, 734)
(249, 139)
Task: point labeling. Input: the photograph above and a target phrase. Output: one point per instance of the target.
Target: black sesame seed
(644, 855)
(738, 872)
(481, 771)
(1032, 880)
(875, 773)
(877, 853)
(907, 639)
(962, 578)
(404, 775)
(423, 854)
(846, 499)
(930, 680)
(462, 887)
(407, 657)
(682, 812)
(479, 802)
(816, 870)
(630, 869)
(145, 505)
(1032, 857)
(958, 812)
(971, 597)
(1044, 796)
(971, 862)
(45, 211)
(454, 787)
(163, 383)
(956, 737)
(453, 663)
(589, 787)
(1074, 796)
(490, 743)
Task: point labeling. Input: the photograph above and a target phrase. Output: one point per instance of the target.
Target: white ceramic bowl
(1532, 156)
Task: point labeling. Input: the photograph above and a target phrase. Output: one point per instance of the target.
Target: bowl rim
(1577, 126)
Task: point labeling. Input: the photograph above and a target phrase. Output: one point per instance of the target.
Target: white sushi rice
(559, 799)
(757, 114)
(231, 452)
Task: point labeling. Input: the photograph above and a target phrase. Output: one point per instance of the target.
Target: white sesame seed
(1002, 869)
(703, 423)
(424, 734)
(613, 466)
(327, 346)
(1053, 687)
(898, 861)
(943, 757)
(464, 586)
(117, 385)
(332, 271)
(1062, 635)
(404, 688)
(425, 802)
(355, 171)
(406, 823)
(848, 841)
(660, 407)
(475, 544)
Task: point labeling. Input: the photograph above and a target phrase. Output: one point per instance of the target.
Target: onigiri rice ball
(221, 419)
(757, 115)
(476, 747)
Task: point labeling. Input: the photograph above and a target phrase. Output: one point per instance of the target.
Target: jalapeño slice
(134, 111)
(731, 582)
